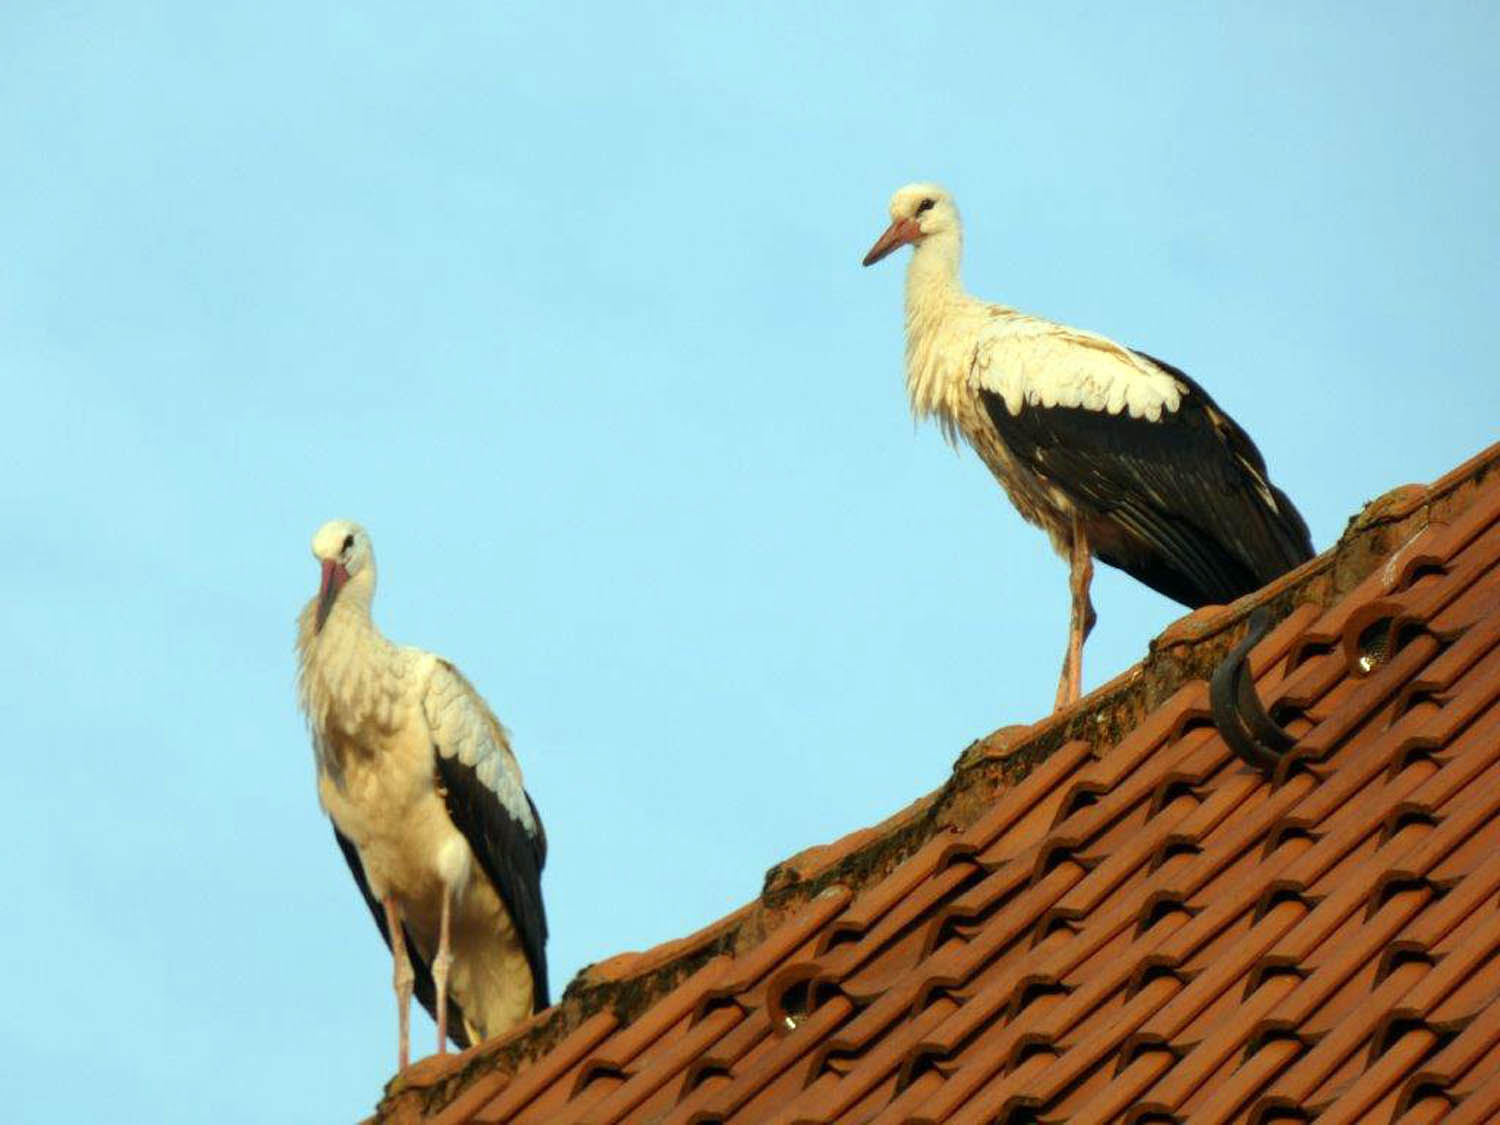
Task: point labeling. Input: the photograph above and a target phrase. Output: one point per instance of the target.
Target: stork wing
(422, 972)
(1026, 361)
(1178, 497)
(488, 803)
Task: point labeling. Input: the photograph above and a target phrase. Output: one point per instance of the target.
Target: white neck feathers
(938, 345)
(350, 678)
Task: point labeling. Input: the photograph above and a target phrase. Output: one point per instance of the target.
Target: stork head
(918, 212)
(343, 548)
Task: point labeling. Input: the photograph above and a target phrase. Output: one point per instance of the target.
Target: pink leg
(403, 980)
(440, 966)
(1081, 619)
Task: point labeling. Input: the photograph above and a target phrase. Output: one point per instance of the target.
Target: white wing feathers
(463, 727)
(1031, 362)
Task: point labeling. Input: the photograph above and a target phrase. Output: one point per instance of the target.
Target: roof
(1115, 915)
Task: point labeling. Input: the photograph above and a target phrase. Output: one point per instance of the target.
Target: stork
(428, 808)
(1115, 454)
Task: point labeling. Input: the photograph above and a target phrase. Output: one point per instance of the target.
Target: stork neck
(933, 290)
(347, 666)
(935, 298)
(357, 596)
(932, 273)
(350, 617)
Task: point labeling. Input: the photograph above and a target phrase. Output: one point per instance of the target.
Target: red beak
(899, 233)
(334, 577)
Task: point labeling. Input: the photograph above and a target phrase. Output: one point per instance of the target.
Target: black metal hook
(1238, 713)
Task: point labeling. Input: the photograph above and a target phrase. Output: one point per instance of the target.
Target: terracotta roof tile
(545, 1074)
(1112, 915)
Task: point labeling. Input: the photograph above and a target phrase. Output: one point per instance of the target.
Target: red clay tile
(1481, 1107)
(1377, 1085)
(665, 1065)
(529, 1084)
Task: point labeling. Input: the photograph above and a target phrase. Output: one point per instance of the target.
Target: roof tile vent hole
(1400, 1026)
(700, 1073)
(1082, 796)
(1162, 905)
(800, 1000)
(1281, 1112)
(1019, 1115)
(1383, 639)
(1034, 990)
(1309, 650)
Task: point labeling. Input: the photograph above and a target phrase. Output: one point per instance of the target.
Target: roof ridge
(627, 986)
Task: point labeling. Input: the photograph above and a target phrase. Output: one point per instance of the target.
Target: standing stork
(1115, 454)
(428, 807)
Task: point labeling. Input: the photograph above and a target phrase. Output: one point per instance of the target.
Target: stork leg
(440, 966)
(404, 978)
(1081, 619)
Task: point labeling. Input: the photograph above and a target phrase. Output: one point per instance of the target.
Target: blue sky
(564, 304)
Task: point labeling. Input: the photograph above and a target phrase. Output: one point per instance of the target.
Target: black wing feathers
(1176, 503)
(422, 985)
(511, 857)
(1286, 526)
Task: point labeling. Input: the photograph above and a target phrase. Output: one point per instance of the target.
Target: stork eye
(925, 205)
(348, 542)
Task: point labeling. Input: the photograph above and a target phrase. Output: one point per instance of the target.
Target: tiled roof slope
(1110, 916)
